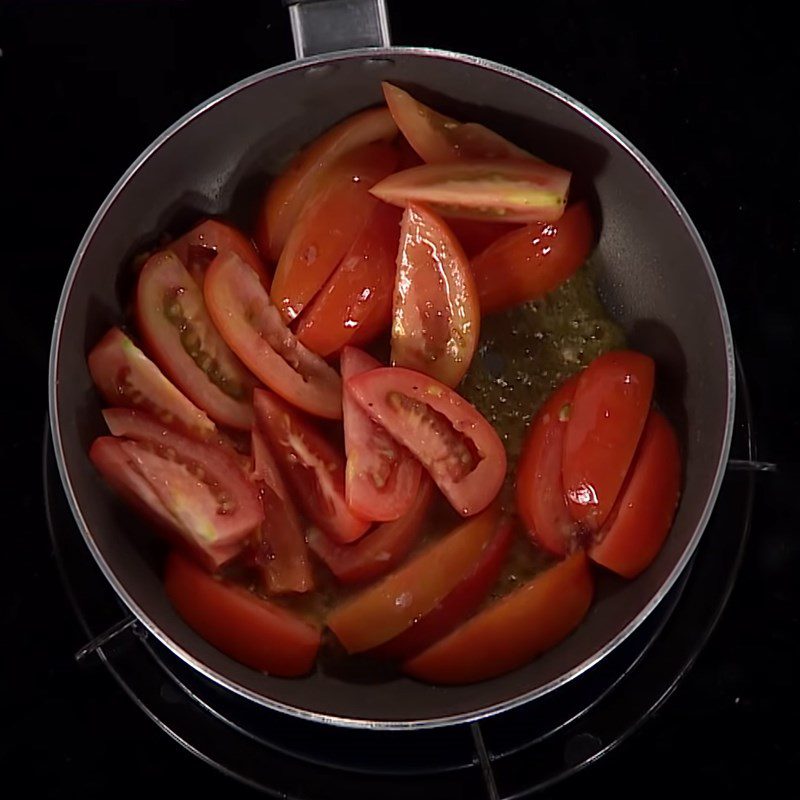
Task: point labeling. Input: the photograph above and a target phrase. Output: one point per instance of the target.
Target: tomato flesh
(382, 477)
(355, 305)
(541, 502)
(245, 316)
(527, 263)
(457, 606)
(509, 190)
(457, 446)
(381, 549)
(314, 469)
(475, 235)
(387, 608)
(512, 631)
(253, 631)
(328, 225)
(435, 316)
(291, 191)
(126, 377)
(174, 323)
(612, 401)
(642, 517)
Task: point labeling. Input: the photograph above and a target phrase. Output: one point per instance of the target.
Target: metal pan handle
(325, 26)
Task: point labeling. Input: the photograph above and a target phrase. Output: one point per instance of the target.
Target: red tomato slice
(291, 191)
(457, 606)
(176, 329)
(476, 235)
(198, 248)
(436, 318)
(328, 224)
(382, 477)
(381, 549)
(637, 526)
(279, 547)
(111, 458)
(511, 190)
(456, 445)
(612, 401)
(387, 608)
(250, 630)
(126, 377)
(439, 139)
(355, 305)
(540, 491)
(200, 485)
(311, 465)
(528, 262)
(252, 326)
(511, 632)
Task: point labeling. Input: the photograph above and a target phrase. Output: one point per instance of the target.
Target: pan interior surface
(655, 278)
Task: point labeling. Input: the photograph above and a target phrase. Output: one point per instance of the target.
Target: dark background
(85, 86)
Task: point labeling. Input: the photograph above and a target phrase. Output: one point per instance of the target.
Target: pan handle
(324, 26)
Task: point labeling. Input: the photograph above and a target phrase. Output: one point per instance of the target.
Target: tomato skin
(512, 631)
(509, 190)
(382, 477)
(328, 225)
(314, 469)
(250, 630)
(457, 606)
(355, 305)
(639, 523)
(382, 611)
(436, 318)
(216, 237)
(125, 376)
(290, 192)
(245, 316)
(540, 496)
(475, 235)
(612, 401)
(527, 263)
(400, 401)
(380, 550)
(440, 139)
(164, 282)
(279, 547)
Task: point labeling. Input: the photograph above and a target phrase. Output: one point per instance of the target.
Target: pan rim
(360, 722)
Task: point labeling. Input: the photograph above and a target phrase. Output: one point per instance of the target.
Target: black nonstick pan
(655, 277)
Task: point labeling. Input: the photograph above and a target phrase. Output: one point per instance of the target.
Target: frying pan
(655, 277)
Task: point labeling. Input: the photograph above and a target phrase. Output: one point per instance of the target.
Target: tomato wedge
(540, 490)
(387, 608)
(355, 305)
(511, 632)
(291, 191)
(640, 521)
(436, 318)
(244, 315)
(382, 477)
(198, 248)
(328, 224)
(250, 630)
(528, 262)
(439, 139)
(612, 401)
(475, 235)
(279, 549)
(176, 329)
(381, 549)
(312, 466)
(456, 445)
(457, 606)
(125, 376)
(511, 190)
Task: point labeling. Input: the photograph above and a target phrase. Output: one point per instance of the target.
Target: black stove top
(85, 87)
